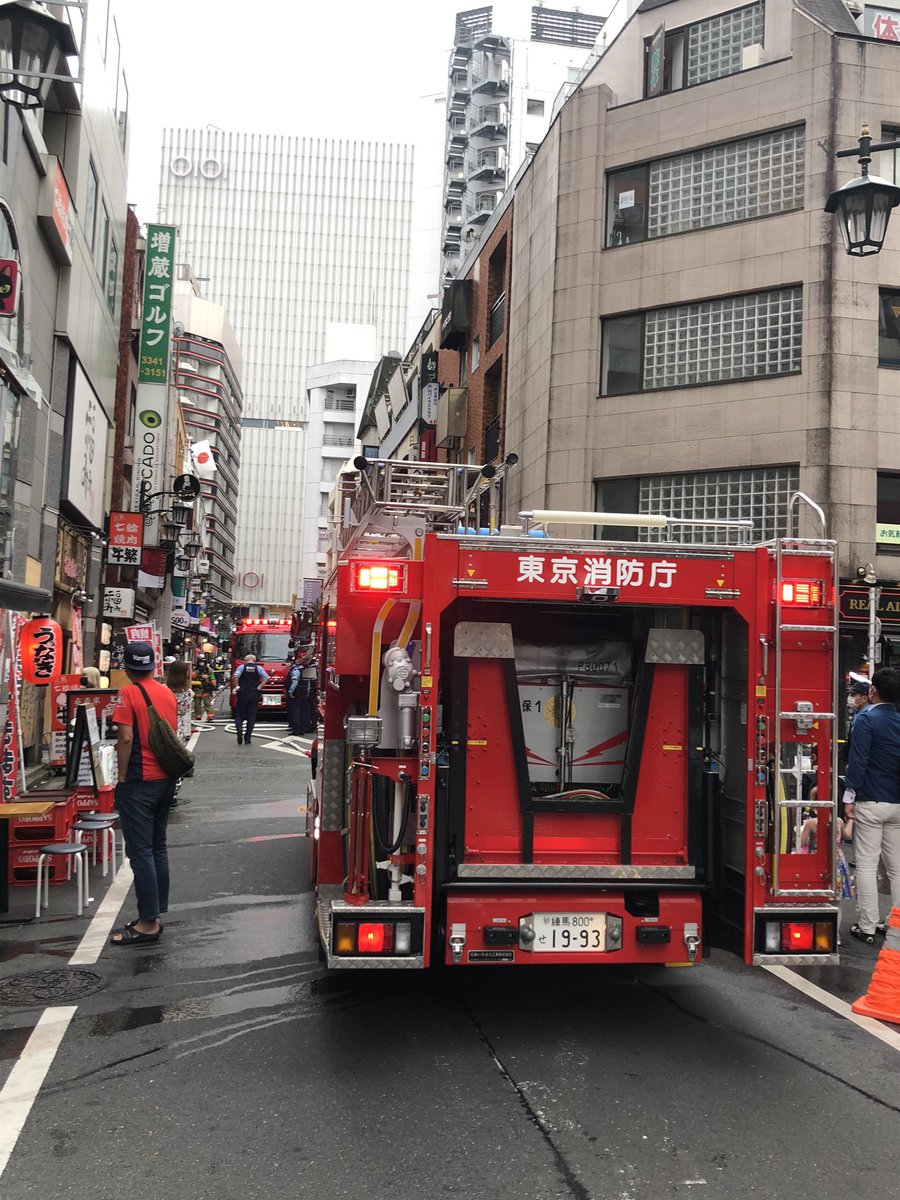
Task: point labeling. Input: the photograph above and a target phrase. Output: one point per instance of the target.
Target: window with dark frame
(887, 510)
(889, 328)
(706, 50)
(711, 341)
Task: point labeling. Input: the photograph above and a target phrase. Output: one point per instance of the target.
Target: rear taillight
(799, 937)
(796, 936)
(375, 937)
(372, 937)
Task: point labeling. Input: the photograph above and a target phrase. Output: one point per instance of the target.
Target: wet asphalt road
(225, 1064)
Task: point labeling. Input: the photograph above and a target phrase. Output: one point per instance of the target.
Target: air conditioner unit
(452, 416)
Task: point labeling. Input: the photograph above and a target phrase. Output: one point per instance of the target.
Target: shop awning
(22, 598)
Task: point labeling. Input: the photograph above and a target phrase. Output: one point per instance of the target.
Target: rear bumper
(497, 926)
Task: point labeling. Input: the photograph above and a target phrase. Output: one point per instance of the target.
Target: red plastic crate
(51, 827)
(87, 800)
(23, 867)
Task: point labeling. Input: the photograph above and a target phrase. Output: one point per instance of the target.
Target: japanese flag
(202, 459)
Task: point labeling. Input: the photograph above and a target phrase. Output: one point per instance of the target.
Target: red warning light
(802, 593)
(379, 577)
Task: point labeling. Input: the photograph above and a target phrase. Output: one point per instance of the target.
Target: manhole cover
(49, 987)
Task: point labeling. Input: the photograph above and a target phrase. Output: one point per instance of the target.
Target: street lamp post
(864, 204)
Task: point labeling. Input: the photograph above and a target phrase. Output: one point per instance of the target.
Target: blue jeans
(143, 809)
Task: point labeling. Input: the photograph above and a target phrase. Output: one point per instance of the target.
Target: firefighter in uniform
(248, 682)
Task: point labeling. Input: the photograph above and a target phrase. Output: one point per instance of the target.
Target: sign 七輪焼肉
(153, 371)
(126, 537)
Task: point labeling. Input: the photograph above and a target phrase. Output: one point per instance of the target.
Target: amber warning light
(379, 577)
(802, 593)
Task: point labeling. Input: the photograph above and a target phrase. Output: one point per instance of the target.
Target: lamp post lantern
(33, 44)
(864, 204)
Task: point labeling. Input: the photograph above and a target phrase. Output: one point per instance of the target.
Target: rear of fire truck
(541, 751)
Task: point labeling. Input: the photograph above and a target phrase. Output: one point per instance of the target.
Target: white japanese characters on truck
(541, 750)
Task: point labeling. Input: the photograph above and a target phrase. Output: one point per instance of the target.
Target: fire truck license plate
(273, 699)
(569, 931)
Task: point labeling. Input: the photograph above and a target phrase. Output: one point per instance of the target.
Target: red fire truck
(544, 750)
(269, 638)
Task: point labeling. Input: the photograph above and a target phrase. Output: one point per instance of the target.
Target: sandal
(881, 929)
(867, 938)
(129, 936)
(132, 925)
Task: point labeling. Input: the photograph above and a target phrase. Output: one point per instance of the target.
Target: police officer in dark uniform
(248, 682)
(293, 687)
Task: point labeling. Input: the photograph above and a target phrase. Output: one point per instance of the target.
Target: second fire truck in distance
(274, 641)
(539, 750)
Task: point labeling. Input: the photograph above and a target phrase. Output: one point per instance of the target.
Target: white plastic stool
(102, 825)
(72, 852)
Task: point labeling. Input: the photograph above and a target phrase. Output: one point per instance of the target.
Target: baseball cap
(859, 689)
(139, 658)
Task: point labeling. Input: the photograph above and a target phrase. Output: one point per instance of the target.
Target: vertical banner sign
(431, 389)
(153, 372)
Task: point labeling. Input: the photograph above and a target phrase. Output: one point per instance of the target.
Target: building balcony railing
(496, 318)
(491, 123)
(487, 166)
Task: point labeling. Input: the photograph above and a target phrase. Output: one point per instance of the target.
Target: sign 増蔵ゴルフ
(153, 371)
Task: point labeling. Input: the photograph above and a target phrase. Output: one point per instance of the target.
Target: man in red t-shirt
(144, 793)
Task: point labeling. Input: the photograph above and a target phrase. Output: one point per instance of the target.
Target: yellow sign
(477, 741)
(672, 747)
(887, 535)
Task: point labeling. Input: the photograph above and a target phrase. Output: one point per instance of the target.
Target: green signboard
(156, 319)
(887, 535)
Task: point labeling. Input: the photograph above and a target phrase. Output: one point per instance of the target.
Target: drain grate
(49, 987)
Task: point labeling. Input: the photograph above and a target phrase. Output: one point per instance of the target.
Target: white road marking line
(283, 749)
(91, 945)
(841, 1007)
(25, 1079)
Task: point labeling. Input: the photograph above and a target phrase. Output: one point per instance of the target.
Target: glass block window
(733, 182)
(715, 46)
(889, 160)
(760, 494)
(738, 337)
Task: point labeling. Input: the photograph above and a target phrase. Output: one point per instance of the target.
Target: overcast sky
(344, 68)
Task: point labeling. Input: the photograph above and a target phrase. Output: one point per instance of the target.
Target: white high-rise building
(507, 65)
(294, 236)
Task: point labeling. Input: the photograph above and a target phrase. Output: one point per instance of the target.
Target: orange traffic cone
(882, 1000)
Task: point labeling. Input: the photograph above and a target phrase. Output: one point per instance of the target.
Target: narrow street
(225, 1063)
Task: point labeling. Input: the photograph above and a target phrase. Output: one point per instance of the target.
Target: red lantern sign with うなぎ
(41, 651)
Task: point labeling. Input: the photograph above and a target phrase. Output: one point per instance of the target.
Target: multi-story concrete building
(294, 235)
(506, 68)
(62, 219)
(687, 334)
(207, 369)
